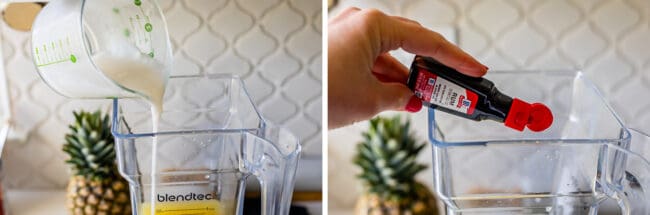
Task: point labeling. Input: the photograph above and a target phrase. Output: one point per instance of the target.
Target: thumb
(396, 96)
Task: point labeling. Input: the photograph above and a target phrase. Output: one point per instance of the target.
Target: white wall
(608, 39)
(274, 44)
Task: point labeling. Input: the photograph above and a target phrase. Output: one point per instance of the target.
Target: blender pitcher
(68, 36)
(585, 158)
(204, 150)
(628, 178)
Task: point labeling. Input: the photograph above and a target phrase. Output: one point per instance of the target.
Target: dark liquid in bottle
(476, 98)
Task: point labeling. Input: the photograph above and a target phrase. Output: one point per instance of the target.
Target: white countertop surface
(52, 202)
(27, 202)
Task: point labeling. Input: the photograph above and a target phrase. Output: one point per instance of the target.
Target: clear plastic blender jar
(585, 158)
(205, 149)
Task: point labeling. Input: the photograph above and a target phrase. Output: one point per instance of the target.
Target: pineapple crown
(387, 158)
(90, 146)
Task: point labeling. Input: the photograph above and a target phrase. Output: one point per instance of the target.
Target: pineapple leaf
(398, 159)
(72, 141)
(386, 157)
(73, 152)
(90, 146)
(100, 145)
(419, 148)
(371, 178)
(365, 152)
(76, 161)
(105, 153)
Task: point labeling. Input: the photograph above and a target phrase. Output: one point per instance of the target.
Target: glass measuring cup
(206, 149)
(67, 34)
(571, 168)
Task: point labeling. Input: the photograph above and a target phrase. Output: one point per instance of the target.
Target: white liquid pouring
(143, 76)
(139, 76)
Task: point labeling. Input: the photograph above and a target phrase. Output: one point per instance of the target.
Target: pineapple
(387, 159)
(96, 187)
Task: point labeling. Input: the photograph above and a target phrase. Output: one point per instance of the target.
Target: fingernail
(414, 105)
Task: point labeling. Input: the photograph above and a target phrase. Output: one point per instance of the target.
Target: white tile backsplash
(607, 39)
(275, 45)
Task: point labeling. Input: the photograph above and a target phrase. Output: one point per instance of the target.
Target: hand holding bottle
(364, 79)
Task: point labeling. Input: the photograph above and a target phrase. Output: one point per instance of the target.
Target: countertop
(28, 202)
(52, 202)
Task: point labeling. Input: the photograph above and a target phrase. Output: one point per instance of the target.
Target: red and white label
(438, 91)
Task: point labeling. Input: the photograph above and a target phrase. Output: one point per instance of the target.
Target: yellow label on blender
(183, 203)
(203, 207)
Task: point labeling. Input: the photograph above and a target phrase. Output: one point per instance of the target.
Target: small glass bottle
(473, 98)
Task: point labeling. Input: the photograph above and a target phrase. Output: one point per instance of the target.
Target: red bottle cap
(537, 117)
(517, 117)
(540, 117)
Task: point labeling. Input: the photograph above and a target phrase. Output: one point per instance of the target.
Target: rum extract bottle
(476, 98)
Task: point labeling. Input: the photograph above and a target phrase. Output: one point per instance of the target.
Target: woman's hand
(363, 79)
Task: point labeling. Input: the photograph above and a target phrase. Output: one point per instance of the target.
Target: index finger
(414, 38)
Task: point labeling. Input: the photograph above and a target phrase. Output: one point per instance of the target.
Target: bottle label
(438, 91)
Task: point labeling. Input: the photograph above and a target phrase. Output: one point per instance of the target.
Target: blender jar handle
(628, 183)
(277, 187)
(636, 181)
(273, 159)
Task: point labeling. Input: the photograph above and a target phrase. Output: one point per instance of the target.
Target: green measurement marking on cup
(57, 51)
(141, 28)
